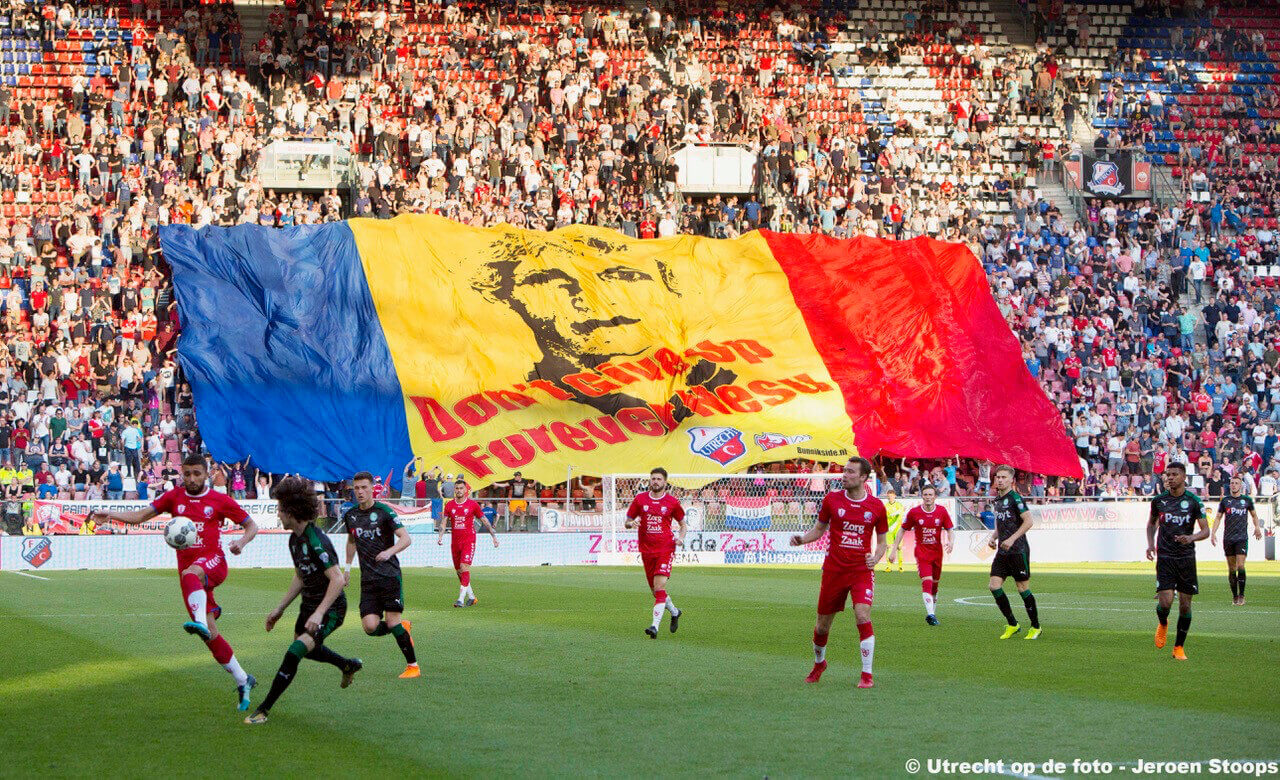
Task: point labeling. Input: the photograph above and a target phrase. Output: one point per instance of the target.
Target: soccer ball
(181, 533)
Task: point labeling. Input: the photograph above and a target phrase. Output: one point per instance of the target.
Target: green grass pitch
(551, 674)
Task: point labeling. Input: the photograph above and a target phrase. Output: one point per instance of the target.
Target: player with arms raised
(852, 516)
(1013, 553)
(377, 536)
(653, 511)
(317, 578)
(201, 567)
(1234, 512)
(932, 525)
(460, 515)
(1175, 514)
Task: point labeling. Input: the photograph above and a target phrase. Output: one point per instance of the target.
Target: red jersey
(461, 516)
(851, 526)
(208, 511)
(928, 527)
(656, 516)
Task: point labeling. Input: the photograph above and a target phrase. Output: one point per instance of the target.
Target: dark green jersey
(373, 530)
(313, 555)
(1234, 513)
(1008, 510)
(1176, 516)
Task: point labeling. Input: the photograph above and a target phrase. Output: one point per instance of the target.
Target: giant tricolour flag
(329, 349)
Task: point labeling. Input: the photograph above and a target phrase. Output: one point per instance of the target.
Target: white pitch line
(32, 576)
(966, 601)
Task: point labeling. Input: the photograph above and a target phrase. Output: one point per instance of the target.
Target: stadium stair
(1056, 194)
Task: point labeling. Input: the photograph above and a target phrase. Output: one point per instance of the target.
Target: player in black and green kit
(319, 580)
(1175, 514)
(374, 533)
(1013, 554)
(1234, 512)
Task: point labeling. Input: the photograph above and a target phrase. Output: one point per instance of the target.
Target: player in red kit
(202, 567)
(851, 515)
(932, 524)
(654, 511)
(460, 515)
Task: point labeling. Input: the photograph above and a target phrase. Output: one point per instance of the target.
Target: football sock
(1163, 614)
(659, 606)
(820, 647)
(1240, 581)
(867, 645)
(935, 588)
(928, 603)
(223, 654)
(1002, 601)
(1029, 601)
(197, 600)
(405, 641)
(324, 655)
(671, 606)
(381, 630)
(288, 670)
(465, 578)
(1184, 623)
(1235, 587)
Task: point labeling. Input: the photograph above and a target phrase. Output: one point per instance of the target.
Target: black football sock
(406, 643)
(1163, 614)
(1240, 581)
(288, 670)
(1029, 601)
(1002, 601)
(1235, 586)
(324, 655)
(1184, 623)
(381, 630)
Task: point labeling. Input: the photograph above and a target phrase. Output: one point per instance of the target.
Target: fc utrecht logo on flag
(36, 550)
(723, 445)
(769, 441)
(1106, 178)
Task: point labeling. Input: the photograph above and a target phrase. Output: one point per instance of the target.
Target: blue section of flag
(284, 351)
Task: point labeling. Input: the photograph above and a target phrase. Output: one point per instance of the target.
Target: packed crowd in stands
(1147, 324)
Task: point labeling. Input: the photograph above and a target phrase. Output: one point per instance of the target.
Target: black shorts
(1235, 546)
(379, 595)
(332, 619)
(1013, 563)
(1177, 574)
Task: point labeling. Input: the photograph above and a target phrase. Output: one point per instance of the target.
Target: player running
(654, 510)
(1175, 514)
(1013, 554)
(1234, 511)
(895, 511)
(320, 582)
(201, 567)
(852, 515)
(932, 524)
(377, 536)
(460, 514)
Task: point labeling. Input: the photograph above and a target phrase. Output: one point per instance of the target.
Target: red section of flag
(927, 364)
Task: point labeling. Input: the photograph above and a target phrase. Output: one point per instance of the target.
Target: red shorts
(929, 564)
(837, 586)
(464, 552)
(657, 563)
(214, 566)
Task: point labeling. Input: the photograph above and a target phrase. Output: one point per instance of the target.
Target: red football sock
(190, 584)
(465, 578)
(220, 648)
(820, 639)
(659, 597)
(935, 587)
(864, 630)
(926, 586)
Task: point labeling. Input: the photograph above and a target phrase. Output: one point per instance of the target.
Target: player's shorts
(1013, 563)
(929, 564)
(332, 619)
(1232, 547)
(214, 566)
(379, 595)
(463, 553)
(518, 506)
(1177, 574)
(657, 563)
(838, 586)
